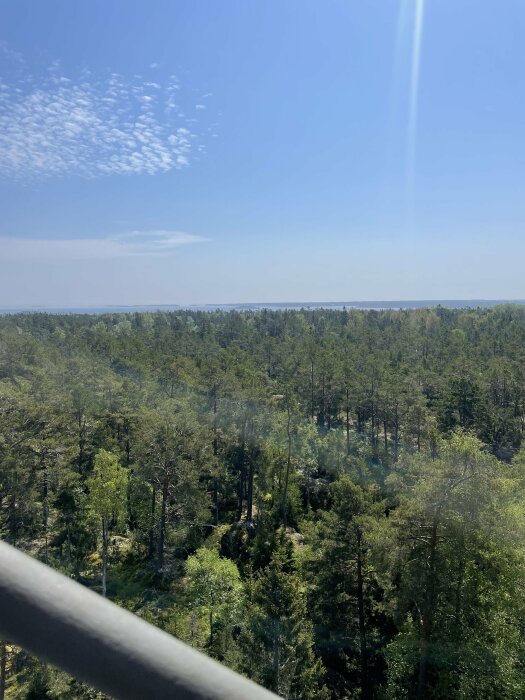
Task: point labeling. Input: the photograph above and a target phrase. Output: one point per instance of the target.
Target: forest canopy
(329, 502)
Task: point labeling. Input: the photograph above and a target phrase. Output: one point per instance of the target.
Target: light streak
(415, 72)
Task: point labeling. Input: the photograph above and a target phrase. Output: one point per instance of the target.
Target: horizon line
(43, 307)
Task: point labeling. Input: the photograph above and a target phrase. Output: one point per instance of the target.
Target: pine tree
(278, 641)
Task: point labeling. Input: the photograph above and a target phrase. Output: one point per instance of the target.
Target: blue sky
(194, 151)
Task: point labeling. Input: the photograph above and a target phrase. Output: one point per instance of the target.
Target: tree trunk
(312, 403)
(347, 423)
(251, 470)
(128, 448)
(240, 483)
(162, 529)
(3, 667)
(68, 548)
(360, 420)
(45, 507)
(81, 439)
(322, 412)
(284, 505)
(459, 590)
(363, 654)
(215, 453)
(13, 521)
(276, 656)
(104, 554)
(427, 617)
(151, 544)
(132, 519)
(216, 500)
(396, 430)
(308, 486)
(424, 644)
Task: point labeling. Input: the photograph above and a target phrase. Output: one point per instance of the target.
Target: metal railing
(103, 645)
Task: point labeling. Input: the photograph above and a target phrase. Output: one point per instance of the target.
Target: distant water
(365, 305)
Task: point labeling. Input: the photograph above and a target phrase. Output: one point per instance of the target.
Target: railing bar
(103, 645)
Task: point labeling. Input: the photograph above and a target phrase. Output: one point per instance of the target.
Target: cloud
(12, 56)
(86, 126)
(133, 243)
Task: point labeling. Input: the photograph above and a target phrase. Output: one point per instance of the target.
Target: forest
(330, 502)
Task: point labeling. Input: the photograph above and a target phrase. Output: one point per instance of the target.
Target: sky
(195, 151)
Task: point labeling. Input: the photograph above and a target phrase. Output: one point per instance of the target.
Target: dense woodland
(330, 502)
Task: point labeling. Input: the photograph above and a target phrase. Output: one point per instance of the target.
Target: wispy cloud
(133, 243)
(13, 56)
(88, 126)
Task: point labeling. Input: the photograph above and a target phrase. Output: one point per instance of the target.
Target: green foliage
(345, 591)
(331, 502)
(213, 588)
(107, 487)
(457, 565)
(278, 639)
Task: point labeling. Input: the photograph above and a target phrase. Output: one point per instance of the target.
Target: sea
(295, 305)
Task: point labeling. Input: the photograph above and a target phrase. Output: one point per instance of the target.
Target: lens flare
(415, 70)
